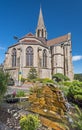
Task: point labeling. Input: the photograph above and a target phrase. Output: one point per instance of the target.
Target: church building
(48, 57)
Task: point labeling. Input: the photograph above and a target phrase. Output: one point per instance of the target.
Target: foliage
(44, 80)
(4, 76)
(32, 73)
(47, 80)
(28, 80)
(10, 82)
(30, 122)
(40, 80)
(67, 83)
(65, 90)
(77, 119)
(20, 94)
(78, 77)
(23, 79)
(60, 77)
(75, 92)
(36, 89)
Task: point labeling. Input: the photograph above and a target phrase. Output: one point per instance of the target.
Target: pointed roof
(40, 20)
(58, 40)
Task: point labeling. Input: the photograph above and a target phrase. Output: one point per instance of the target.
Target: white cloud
(76, 58)
(2, 48)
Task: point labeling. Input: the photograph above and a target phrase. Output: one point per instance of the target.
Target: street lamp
(39, 49)
(20, 68)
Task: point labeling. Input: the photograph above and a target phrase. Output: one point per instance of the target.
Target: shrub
(66, 83)
(44, 80)
(20, 94)
(30, 122)
(23, 79)
(60, 77)
(77, 124)
(47, 80)
(75, 93)
(78, 77)
(3, 82)
(28, 80)
(35, 89)
(32, 73)
(10, 82)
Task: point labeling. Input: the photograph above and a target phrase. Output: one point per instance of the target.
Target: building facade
(47, 56)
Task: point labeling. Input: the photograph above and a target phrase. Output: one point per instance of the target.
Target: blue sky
(19, 17)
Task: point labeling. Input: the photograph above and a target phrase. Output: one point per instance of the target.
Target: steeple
(41, 30)
(40, 20)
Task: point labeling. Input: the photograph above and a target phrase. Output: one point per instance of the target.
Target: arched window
(44, 58)
(14, 57)
(42, 33)
(29, 56)
(38, 33)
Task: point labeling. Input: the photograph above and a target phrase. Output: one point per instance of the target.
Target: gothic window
(38, 33)
(14, 57)
(42, 33)
(29, 56)
(44, 58)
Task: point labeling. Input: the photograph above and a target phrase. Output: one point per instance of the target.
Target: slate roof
(57, 40)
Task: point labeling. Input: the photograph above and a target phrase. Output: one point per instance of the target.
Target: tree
(78, 77)
(3, 82)
(32, 73)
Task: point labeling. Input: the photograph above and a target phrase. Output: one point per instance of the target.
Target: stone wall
(37, 61)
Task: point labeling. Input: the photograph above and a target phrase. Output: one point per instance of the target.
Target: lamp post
(20, 67)
(39, 49)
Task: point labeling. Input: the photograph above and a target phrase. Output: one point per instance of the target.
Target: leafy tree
(30, 122)
(60, 77)
(32, 73)
(3, 82)
(78, 77)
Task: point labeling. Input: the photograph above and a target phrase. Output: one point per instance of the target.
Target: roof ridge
(58, 40)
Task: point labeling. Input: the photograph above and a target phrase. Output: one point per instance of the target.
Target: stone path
(4, 127)
(10, 115)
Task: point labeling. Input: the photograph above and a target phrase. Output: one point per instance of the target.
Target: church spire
(40, 20)
(41, 30)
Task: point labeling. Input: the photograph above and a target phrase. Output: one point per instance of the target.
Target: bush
(44, 80)
(30, 122)
(47, 80)
(10, 82)
(78, 77)
(77, 123)
(75, 93)
(3, 82)
(23, 80)
(20, 94)
(66, 83)
(60, 77)
(32, 73)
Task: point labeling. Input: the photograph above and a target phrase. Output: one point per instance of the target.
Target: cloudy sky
(19, 17)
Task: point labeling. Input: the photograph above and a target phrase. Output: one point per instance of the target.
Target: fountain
(49, 102)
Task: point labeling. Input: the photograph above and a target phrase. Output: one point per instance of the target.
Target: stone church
(35, 50)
